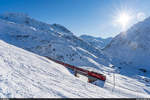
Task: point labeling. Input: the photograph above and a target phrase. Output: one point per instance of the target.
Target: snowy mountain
(54, 41)
(28, 74)
(97, 42)
(132, 48)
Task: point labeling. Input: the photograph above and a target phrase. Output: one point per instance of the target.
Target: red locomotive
(82, 71)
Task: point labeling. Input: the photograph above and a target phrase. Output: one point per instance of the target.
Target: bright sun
(123, 20)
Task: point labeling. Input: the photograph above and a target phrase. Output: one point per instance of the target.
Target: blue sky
(92, 17)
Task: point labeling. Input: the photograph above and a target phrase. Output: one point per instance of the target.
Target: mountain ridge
(28, 74)
(48, 40)
(132, 47)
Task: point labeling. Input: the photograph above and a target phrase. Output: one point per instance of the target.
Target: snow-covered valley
(26, 73)
(97, 42)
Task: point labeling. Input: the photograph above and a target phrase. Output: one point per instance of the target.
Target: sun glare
(123, 19)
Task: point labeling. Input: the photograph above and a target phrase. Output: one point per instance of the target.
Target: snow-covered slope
(97, 42)
(132, 48)
(54, 41)
(24, 74)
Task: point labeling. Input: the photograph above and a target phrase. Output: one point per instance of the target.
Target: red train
(89, 73)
